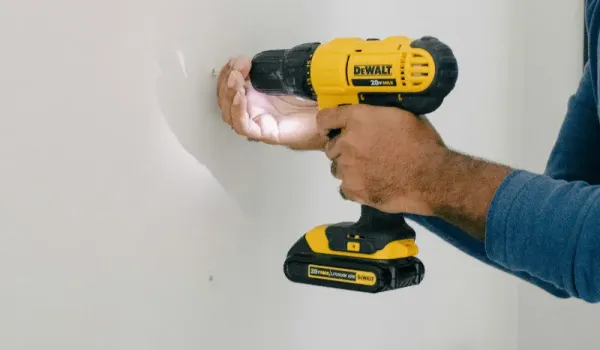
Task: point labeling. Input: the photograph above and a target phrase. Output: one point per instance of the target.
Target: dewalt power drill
(378, 252)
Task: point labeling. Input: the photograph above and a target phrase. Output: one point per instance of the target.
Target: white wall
(552, 75)
(109, 230)
(131, 218)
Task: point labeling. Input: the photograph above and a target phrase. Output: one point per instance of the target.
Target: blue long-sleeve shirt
(545, 228)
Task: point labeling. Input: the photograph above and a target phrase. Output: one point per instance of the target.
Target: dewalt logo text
(365, 278)
(373, 70)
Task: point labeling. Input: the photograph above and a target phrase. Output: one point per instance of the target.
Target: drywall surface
(132, 218)
(109, 231)
(551, 77)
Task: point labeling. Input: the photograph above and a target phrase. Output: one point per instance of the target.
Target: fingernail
(237, 98)
(231, 80)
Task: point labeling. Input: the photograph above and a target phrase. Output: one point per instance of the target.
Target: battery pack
(303, 265)
(367, 276)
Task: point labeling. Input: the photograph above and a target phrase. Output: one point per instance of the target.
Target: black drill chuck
(284, 72)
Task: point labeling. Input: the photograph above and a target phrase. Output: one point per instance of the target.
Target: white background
(132, 218)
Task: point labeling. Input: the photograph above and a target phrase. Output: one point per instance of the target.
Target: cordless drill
(378, 252)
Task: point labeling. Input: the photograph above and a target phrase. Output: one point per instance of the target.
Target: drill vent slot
(402, 68)
(418, 68)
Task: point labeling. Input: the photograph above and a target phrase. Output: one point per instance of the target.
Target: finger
(222, 80)
(241, 64)
(332, 118)
(333, 148)
(222, 90)
(225, 101)
(238, 112)
(334, 169)
(339, 169)
(267, 123)
(242, 124)
(234, 83)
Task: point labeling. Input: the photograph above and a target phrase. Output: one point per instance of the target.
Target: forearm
(463, 190)
(543, 229)
(528, 223)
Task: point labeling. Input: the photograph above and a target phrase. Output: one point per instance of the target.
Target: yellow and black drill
(378, 252)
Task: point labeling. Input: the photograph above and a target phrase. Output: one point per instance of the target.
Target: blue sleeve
(549, 229)
(532, 219)
(575, 156)
(476, 249)
(549, 225)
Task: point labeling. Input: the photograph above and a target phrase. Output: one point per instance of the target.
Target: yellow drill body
(343, 69)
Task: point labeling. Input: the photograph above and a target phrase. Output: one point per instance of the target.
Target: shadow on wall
(187, 99)
(195, 39)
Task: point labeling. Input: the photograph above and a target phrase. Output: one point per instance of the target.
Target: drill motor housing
(395, 72)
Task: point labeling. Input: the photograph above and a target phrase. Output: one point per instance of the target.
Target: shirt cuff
(498, 215)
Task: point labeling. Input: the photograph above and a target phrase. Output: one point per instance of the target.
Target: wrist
(463, 189)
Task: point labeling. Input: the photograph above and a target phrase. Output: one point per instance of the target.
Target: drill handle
(384, 226)
(374, 230)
